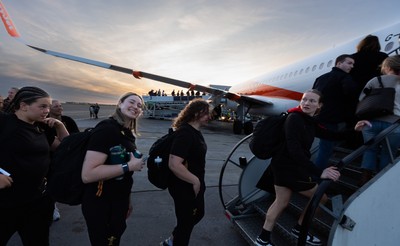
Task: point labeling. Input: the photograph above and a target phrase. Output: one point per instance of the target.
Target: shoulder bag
(377, 102)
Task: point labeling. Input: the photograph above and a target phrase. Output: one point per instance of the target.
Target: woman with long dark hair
(25, 155)
(187, 163)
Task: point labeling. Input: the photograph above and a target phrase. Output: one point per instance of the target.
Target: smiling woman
(107, 170)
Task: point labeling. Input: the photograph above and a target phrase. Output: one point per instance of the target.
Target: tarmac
(153, 217)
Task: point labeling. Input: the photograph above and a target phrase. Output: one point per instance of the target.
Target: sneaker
(167, 242)
(56, 214)
(260, 242)
(311, 240)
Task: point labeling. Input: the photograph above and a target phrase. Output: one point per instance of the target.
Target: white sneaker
(311, 239)
(56, 213)
(260, 242)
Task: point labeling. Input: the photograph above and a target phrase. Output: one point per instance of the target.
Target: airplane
(367, 217)
(269, 94)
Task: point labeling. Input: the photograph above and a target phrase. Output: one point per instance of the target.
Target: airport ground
(153, 217)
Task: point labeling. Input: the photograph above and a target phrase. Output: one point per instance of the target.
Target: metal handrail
(228, 159)
(322, 187)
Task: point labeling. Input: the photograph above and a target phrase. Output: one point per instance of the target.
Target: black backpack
(64, 180)
(268, 136)
(157, 163)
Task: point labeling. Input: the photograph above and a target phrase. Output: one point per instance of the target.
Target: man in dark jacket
(338, 90)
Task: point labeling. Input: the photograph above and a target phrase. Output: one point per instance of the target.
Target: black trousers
(189, 210)
(31, 221)
(105, 219)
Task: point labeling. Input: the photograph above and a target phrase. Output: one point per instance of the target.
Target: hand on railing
(361, 124)
(331, 173)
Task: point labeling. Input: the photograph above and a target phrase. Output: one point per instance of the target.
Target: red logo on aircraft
(7, 21)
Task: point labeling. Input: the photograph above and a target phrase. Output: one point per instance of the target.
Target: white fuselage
(289, 82)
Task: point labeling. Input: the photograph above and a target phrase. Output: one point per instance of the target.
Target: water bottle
(158, 161)
(118, 155)
(137, 154)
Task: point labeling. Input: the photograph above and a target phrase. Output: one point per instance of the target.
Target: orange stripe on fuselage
(272, 91)
(8, 22)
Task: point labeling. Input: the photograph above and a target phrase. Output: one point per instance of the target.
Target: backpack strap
(380, 81)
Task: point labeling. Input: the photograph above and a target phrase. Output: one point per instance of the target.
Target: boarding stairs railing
(245, 205)
(380, 139)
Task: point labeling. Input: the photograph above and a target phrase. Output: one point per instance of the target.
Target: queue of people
(291, 168)
(35, 127)
(177, 93)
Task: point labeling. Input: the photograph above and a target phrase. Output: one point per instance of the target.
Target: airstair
(366, 215)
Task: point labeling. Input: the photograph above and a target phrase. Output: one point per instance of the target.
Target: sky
(199, 41)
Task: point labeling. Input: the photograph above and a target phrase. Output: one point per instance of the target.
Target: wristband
(125, 167)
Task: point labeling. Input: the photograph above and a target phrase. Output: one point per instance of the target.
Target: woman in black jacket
(292, 169)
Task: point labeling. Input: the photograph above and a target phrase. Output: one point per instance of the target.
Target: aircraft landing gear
(243, 120)
(238, 126)
(248, 127)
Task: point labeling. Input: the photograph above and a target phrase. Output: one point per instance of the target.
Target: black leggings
(105, 219)
(189, 210)
(31, 221)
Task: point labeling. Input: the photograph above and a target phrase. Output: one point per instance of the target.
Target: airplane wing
(12, 31)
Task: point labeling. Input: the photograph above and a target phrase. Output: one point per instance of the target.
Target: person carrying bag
(376, 158)
(376, 102)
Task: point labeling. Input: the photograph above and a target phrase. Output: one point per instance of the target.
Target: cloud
(201, 41)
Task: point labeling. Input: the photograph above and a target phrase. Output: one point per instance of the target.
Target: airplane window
(321, 65)
(329, 63)
(314, 67)
(307, 69)
(301, 71)
(286, 76)
(290, 75)
(295, 73)
(389, 46)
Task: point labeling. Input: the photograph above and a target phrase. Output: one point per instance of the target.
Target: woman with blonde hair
(107, 171)
(391, 78)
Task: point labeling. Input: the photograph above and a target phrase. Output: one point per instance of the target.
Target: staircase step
(321, 224)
